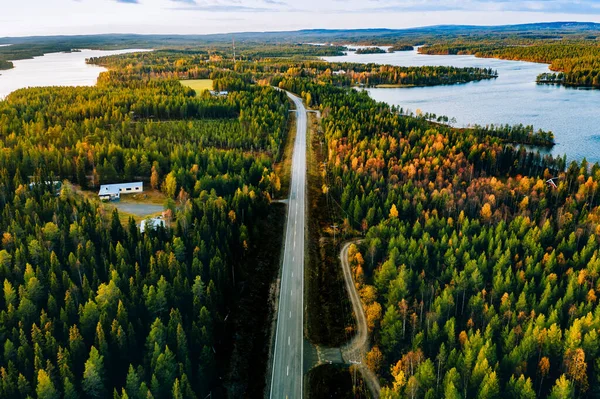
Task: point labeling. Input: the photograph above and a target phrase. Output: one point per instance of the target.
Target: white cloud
(35, 17)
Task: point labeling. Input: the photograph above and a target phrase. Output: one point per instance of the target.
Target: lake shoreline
(68, 69)
(513, 98)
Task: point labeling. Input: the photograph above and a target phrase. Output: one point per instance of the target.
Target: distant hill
(27, 47)
(557, 29)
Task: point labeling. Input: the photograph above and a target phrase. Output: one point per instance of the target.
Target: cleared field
(138, 206)
(141, 210)
(199, 85)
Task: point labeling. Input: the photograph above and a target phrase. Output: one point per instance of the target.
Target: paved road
(286, 381)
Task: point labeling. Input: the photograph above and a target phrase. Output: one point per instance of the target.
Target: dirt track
(355, 351)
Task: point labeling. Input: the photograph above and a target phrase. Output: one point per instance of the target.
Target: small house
(339, 72)
(111, 192)
(219, 93)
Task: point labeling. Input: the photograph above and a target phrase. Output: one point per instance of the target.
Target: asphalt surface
(286, 381)
(138, 209)
(356, 350)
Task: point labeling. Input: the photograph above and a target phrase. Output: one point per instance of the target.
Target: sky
(68, 17)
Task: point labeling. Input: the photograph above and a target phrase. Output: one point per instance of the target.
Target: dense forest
(175, 64)
(91, 307)
(478, 278)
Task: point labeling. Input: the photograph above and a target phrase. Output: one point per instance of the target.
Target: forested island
(6, 64)
(393, 76)
(401, 47)
(370, 50)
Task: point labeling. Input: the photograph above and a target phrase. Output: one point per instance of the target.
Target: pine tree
(132, 384)
(69, 390)
(563, 389)
(490, 388)
(393, 212)
(176, 392)
(93, 375)
(45, 388)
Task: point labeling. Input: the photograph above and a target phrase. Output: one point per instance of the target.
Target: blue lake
(54, 69)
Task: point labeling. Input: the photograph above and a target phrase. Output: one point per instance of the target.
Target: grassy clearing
(199, 85)
(283, 168)
(150, 197)
(153, 197)
(329, 319)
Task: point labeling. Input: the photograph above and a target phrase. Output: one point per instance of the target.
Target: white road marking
(290, 314)
(288, 340)
(288, 370)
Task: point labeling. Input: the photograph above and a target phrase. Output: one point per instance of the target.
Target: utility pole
(233, 40)
(334, 226)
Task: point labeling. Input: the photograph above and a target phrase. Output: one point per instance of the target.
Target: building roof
(107, 189)
(152, 223)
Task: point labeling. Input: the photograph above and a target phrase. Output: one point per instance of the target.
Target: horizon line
(299, 30)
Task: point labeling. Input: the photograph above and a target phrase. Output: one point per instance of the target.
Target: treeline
(185, 66)
(589, 78)
(401, 47)
(518, 134)
(409, 76)
(6, 64)
(478, 277)
(202, 49)
(350, 74)
(26, 51)
(370, 50)
(91, 307)
(204, 56)
(299, 50)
